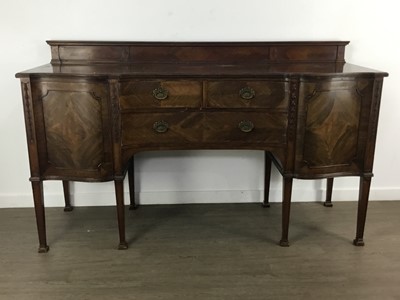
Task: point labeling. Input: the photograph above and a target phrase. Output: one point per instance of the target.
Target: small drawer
(149, 129)
(138, 94)
(248, 94)
(243, 127)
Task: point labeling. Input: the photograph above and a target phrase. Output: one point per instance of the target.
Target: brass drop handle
(247, 93)
(160, 93)
(246, 126)
(160, 126)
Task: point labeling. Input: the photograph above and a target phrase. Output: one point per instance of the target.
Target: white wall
(196, 176)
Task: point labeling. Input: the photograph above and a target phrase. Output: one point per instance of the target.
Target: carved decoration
(375, 109)
(293, 108)
(115, 109)
(27, 104)
(95, 97)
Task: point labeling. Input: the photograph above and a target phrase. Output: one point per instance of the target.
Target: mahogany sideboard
(97, 104)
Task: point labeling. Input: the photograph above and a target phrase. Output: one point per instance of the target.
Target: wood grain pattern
(212, 127)
(331, 132)
(73, 52)
(222, 127)
(136, 94)
(268, 94)
(73, 129)
(182, 128)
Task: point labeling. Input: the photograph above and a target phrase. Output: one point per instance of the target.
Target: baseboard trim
(187, 197)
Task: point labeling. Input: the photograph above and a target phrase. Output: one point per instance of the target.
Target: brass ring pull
(247, 93)
(246, 126)
(160, 126)
(160, 93)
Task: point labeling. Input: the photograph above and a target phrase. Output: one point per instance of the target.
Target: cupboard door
(71, 121)
(332, 127)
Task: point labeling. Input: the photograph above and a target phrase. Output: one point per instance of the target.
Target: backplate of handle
(160, 126)
(247, 93)
(160, 93)
(246, 126)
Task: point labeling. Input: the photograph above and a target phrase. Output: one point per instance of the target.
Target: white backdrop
(196, 176)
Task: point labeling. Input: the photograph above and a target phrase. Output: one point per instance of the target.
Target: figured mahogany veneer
(181, 94)
(97, 104)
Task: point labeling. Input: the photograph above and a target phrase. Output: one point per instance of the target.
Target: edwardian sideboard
(97, 104)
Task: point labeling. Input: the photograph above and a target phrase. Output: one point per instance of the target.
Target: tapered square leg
(119, 194)
(286, 200)
(37, 189)
(329, 188)
(267, 180)
(67, 196)
(131, 179)
(365, 184)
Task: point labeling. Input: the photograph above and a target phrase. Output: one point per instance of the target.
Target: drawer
(248, 94)
(245, 127)
(157, 129)
(138, 94)
(161, 128)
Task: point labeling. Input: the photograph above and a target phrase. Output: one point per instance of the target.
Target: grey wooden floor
(214, 251)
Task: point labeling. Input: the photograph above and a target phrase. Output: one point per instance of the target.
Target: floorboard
(206, 251)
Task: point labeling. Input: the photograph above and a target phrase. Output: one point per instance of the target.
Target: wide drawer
(248, 94)
(139, 94)
(217, 128)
